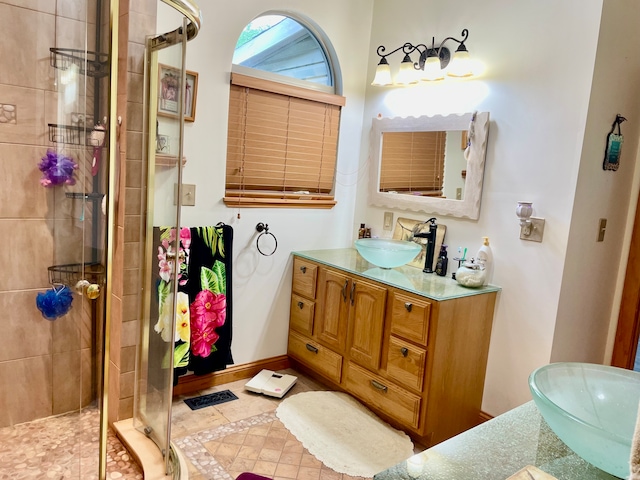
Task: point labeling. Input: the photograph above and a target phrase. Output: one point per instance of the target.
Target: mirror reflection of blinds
(413, 162)
(282, 140)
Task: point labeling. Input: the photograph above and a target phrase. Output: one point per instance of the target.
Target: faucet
(431, 244)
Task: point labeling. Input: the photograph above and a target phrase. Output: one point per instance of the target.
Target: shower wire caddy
(70, 274)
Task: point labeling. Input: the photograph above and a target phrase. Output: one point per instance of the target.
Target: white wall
(589, 280)
(539, 59)
(262, 285)
(545, 145)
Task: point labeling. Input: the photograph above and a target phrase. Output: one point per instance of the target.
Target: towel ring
(263, 228)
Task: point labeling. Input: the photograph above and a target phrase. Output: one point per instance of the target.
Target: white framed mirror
(454, 183)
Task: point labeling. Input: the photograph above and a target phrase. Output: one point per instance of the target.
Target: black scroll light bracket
(613, 148)
(263, 229)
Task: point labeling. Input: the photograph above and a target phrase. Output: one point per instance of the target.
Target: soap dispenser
(485, 258)
(443, 262)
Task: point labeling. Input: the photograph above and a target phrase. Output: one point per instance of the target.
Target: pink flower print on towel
(208, 312)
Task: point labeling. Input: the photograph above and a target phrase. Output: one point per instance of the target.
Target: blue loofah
(54, 302)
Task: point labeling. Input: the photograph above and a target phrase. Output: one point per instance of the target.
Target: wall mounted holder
(531, 228)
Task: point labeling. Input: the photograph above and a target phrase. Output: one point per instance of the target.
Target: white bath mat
(343, 434)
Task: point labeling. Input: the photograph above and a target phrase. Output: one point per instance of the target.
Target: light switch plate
(536, 230)
(388, 221)
(188, 194)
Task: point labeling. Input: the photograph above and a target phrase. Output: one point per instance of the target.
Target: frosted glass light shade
(383, 75)
(407, 74)
(460, 65)
(432, 70)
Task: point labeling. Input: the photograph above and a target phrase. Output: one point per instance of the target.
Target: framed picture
(162, 144)
(168, 93)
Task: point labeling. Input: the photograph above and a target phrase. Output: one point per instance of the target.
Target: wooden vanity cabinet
(418, 363)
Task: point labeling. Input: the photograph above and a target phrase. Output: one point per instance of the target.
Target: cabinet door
(331, 325)
(367, 303)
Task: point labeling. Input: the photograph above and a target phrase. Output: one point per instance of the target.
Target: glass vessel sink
(386, 253)
(592, 408)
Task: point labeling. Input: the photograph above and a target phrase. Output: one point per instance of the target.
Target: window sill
(279, 201)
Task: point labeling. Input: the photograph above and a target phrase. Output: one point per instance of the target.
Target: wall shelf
(95, 197)
(70, 135)
(163, 160)
(72, 273)
(92, 64)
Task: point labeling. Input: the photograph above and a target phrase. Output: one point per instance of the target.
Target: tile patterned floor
(244, 435)
(64, 447)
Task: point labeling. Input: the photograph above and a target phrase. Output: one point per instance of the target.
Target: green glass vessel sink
(386, 253)
(591, 408)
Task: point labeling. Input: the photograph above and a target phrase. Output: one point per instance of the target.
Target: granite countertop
(496, 450)
(408, 278)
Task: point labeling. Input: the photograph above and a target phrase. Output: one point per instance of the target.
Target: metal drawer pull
(301, 305)
(408, 306)
(344, 290)
(378, 385)
(303, 269)
(404, 351)
(311, 348)
(353, 290)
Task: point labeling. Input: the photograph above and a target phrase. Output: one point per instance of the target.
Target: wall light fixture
(531, 228)
(433, 63)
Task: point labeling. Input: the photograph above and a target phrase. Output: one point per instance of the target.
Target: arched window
(284, 115)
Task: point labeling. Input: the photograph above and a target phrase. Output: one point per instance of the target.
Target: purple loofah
(54, 303)
(57, 169)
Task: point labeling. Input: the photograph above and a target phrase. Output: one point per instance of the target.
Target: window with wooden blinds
(413, 162)
(281, 144)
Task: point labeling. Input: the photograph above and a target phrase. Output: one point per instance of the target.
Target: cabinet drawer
(319, 358)
(406, 363)
(304, 278)
(302, 314)
(384, 395)
(410, 317)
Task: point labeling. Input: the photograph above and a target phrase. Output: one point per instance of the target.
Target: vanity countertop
(497, 449)
(408, 278)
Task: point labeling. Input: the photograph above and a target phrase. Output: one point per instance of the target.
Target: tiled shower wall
(46, 367)
(137, 21)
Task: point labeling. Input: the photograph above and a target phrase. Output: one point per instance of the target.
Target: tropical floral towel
(203, 308)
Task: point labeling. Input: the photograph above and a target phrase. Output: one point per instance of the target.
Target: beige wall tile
(67, 375)
(90, 375)
(125, 408)
(127, 383)
(68, 238)
(130, 333)
(114, 393)
(117, 279)
(132, 228)
(75, 34)
(25, 390)
(134, 150)
(130, 308)
(26, 53)
(66, 330)
(44, 6)
(134, 116)
(131, 281)
(21, 195)
(26, 254)
(30, 128)
(140, 25)
(132, 254)
(115, 343)
(25, 332)
(134, 171)
(77, 9)
(135, 87)
(128, 358)
(136, 58)
(133, 204)
(146, 7)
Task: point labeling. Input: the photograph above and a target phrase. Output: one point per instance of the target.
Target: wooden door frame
(626, 341)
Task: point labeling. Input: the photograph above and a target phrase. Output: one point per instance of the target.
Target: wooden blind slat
(278, 142)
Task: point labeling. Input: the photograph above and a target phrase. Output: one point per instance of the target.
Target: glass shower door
(162, 342)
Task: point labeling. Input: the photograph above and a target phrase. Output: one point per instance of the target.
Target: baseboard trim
(189, 384)
(485, 417)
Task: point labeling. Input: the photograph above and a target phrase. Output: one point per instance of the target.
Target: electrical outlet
(388, 221)
(602, 227)
(458, 194)
(188, 194)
